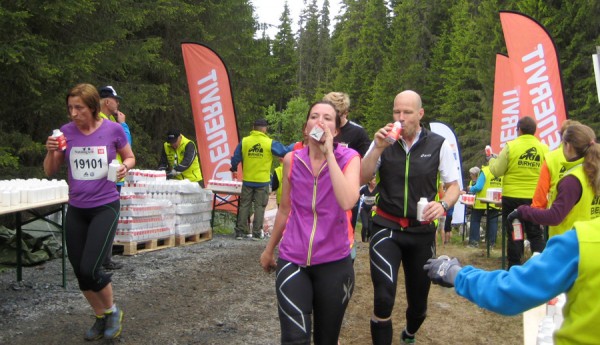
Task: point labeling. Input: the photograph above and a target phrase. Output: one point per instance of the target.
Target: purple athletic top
(568, 194)
(318, 230)
(87, 158)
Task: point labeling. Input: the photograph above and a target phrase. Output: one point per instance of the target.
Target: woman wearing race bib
(93, 213)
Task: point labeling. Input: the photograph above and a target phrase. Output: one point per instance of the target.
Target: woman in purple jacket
(314, 269)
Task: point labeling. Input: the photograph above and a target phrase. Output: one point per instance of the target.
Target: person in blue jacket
(568, 264)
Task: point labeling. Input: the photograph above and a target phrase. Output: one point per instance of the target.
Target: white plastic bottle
(113, 167)
(420, 207)
(517, 230)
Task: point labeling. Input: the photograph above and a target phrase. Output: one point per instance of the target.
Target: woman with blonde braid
(574, 199)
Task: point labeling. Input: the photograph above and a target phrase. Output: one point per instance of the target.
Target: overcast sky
(269, 11)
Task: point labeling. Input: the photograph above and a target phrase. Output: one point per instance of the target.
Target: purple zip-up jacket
(318, 230)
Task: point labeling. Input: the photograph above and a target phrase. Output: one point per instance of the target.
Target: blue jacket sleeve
(540, 279)
(479, 184)
(278, 149)
(127, 133)
(290, 147)
(237, 157)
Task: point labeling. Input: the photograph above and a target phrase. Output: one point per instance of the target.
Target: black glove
(513, 215)
(443, 270)
(493, 155)
(173, 173)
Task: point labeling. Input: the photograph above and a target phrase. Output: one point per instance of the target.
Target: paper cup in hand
(317, 133)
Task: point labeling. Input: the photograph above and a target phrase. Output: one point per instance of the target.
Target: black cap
(261, 123)
(108, 91)
(172, 136)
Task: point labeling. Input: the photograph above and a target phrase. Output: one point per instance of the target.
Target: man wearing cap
(180, 158)
(109, 110)
(255, 152)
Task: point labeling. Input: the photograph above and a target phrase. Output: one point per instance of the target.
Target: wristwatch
(444, 205)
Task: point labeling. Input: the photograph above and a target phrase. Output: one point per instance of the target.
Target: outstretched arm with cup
(443, 270)
(540, 279)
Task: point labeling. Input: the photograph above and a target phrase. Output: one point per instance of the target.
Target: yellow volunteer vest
(556, 168)
(257, 158)
(490, 182)
(193, 173)
(279, 175)
(584, 208)
(112, 118)
(525, 157)
(582, 310)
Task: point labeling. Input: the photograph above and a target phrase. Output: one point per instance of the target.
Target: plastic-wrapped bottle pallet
(192, 205)
(142, 217)
(193, 213)
(145, 221)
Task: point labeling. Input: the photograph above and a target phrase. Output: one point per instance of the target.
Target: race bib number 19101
(89, 163)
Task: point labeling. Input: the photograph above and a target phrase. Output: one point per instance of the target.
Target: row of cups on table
(31, 191)
(494, 194)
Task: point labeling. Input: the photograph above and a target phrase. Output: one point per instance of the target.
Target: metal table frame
(487, 226)
(59, 205)
(221, 198)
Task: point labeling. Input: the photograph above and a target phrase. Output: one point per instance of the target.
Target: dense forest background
(443, 49)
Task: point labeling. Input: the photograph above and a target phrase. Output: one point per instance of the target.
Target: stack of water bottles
(552, 321)
(150, 201)
(20, 192)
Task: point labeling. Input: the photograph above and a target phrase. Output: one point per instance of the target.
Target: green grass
(224, 223)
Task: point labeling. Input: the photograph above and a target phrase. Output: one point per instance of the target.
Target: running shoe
(406, 339)
(97, 330)
(113, 324)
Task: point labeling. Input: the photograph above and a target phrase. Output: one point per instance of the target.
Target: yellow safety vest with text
(556, 168)
(279, 175)
(584, 209)
(257, 157)
(175, 156)
(581, 313)
(525, 157)
(490, 182)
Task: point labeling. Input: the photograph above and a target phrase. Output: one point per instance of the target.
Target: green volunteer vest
(525, 157)
(584, 208)
(193, 173)
(490, 182)
(556, 168)
(279, 174)
(112, 118)
(257, 157)
(582, 310)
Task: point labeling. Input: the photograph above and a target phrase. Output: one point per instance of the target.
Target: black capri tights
(322, 290)
(388, 249)
(89, 235)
